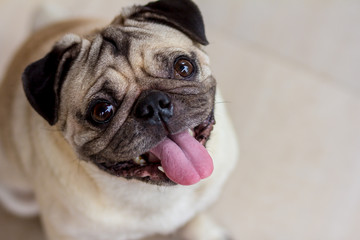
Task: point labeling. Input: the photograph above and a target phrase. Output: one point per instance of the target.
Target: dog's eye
(183, 68)
(102, 112)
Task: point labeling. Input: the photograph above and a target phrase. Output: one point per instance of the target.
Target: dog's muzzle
(180, 158)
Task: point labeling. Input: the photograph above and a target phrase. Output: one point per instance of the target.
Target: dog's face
(133, 96)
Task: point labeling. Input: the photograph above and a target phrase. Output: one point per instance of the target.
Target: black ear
(183, 15)
(42, 80)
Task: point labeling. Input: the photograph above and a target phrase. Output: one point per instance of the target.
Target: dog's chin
(147, 167)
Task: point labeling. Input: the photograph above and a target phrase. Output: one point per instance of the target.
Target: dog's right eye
(102, 112)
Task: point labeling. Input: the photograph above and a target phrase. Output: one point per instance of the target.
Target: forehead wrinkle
(101, 73)
(137, 32)
(117, 82)
(121, 39)
(90, 89)
(112, 79)
(94, 49)
(86, 71)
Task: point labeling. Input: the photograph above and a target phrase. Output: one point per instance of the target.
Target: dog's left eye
(183, 68)
(102, 112)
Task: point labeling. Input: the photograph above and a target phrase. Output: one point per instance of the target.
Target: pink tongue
(185, 160)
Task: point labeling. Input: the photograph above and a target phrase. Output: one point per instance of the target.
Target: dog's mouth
(179, 159)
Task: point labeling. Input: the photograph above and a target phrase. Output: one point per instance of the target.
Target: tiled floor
(289, 75)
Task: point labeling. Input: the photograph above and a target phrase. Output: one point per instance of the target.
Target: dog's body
(52, 169)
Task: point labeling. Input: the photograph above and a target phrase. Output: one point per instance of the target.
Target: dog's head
(135, 98)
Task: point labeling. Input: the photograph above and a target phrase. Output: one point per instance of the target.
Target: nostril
(165, 104)
(148, 112)
(145, 111)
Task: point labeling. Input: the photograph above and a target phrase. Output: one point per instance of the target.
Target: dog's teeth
(140, 161)
(161, 169)
(191, 132)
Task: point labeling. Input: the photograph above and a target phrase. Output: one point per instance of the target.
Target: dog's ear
(183, 15)
(42, 80)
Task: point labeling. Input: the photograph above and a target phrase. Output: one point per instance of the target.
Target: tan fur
(76, 199)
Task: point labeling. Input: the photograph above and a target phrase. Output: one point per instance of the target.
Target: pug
(108, 130)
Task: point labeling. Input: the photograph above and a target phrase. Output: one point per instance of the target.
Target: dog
(108, 130)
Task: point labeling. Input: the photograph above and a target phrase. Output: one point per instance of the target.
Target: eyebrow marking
(100, 52)
(119, 40)
(109, 91)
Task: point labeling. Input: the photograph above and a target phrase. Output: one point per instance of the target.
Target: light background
(289, 72)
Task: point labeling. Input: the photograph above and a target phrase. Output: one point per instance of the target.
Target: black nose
(154, 106)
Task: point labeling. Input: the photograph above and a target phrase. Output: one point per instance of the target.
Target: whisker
(224, 102)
